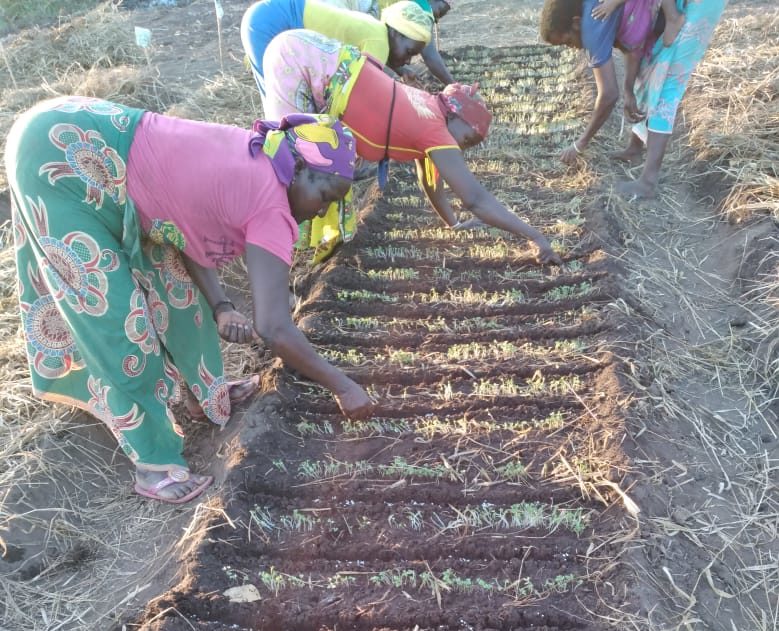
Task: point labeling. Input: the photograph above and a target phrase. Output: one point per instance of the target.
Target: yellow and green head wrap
(409, 19)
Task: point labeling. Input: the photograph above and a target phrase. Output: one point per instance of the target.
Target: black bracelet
(215, 309)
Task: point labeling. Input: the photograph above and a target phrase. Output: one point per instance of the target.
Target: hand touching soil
(354, 401)
(569, 155)
(545, 254)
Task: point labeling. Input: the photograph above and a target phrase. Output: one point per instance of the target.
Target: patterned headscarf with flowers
(321, 141)
(463, 101)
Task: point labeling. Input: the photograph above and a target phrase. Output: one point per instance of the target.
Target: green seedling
(363, 295)
(393, 274)
(569, 291)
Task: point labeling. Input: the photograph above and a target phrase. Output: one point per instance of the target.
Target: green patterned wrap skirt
(112, 321)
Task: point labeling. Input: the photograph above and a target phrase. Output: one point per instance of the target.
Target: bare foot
(148, 484)
(635, 189)
(673, 24)
(631, 155)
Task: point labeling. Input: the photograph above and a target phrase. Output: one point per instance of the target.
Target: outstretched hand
(354, 401)
(569, 155)
(545, 254)
(235, 327)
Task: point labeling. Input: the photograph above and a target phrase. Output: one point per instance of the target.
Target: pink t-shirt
(196, 186)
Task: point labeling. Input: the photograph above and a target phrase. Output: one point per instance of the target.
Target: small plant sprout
(505, 386)
(392, 252)
(393, 273)
(262, 518)
(307, 428)
(442, 273)
(561, 583)
(404, 358)
(565, 384)
(380, 427)
(573, 519)
(357, 323)
(468, 296)
(363, 295)
(298, 522)
(402, 469)
(474, 350)
(447, 392)
(235, 576)
(569, 346)
(559, 247)
(352, 356)
(276, 581)
(514, 471)
(340, 580)
(569, 291)
(398, 578)
(280, 466)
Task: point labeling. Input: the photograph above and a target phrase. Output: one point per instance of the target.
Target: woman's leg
(664, 85)
(632, 153)
(645, 186)
(90, 325)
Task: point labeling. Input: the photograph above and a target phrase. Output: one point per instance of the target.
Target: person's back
(349, 27)
(363, 6)
(267, 18)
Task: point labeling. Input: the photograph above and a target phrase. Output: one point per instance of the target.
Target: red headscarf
(463, 101)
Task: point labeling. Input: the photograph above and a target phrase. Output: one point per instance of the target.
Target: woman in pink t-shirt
(121, 218)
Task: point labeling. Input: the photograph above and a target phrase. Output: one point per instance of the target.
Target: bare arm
(269, 279)
(207, 281)
(608, 95)
(435, 64)
(232, 325)
(436, 196)
(483, 204)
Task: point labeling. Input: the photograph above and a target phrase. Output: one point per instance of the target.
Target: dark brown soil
(376, 525)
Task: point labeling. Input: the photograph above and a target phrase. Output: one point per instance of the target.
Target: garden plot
(484, 492)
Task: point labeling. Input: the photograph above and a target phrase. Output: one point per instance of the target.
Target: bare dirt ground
(523, 410)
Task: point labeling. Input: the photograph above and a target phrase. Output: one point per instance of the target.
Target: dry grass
(94, 55)
(230, 99)
(732, 110)
(103, 37)
(698, 375)
(706, 372)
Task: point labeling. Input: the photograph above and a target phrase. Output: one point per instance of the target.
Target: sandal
(196, 412)
(175, 476)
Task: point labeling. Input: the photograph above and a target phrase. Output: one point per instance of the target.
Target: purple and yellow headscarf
(321, 141)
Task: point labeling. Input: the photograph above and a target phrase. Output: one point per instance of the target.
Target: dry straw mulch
(732, 109)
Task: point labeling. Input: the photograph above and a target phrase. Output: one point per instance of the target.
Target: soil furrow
(403, 309)
(475, 495)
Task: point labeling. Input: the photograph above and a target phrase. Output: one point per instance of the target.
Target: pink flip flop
(173, 477)
(196, 412)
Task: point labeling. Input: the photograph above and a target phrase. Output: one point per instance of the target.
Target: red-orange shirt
(418, 124)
